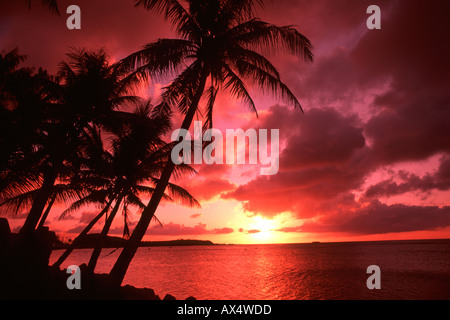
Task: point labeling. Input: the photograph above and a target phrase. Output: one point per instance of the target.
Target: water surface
(409, 270)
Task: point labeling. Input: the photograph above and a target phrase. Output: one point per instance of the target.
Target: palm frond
(20, 182)
(69, 193)
(162, 109)
(19, 202)
(266, 81)
(134, 200)
(237, 11)
(253, 57)
(180, 194)
(148, 191)
(159, 59)
(181, 90)
(268, 38)
(173, 11)
(98, 198)
(238, 89)
(183, 169)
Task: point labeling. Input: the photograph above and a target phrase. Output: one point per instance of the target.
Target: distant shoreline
(118, 242)
(90, 241)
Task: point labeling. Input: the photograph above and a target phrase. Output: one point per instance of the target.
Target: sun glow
(263, 230)
(263, 224)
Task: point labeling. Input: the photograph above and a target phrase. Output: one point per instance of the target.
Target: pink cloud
(328, 155)
(208, 188)
(289, 229)
(324, 161)
(440, 180)
(210, 181)
(250, 231)
(378, 218)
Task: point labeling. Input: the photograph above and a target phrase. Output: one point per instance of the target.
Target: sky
(369, 159)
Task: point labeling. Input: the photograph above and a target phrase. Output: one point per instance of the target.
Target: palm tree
(26, 101)
(221, 46)
(89, 91)
(13, 83)
(136, 159)
(25, 97)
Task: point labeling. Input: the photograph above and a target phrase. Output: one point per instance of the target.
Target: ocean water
(409, 270)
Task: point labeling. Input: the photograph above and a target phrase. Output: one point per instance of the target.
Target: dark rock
(5, 230)
(169, 297)
(131, 293)
(5, 237)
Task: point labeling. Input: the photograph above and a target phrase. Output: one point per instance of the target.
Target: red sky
(370, 157)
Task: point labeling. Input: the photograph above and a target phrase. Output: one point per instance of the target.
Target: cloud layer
(375, 101)
(382, 101)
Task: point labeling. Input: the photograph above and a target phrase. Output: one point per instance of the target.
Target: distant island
(91, 240)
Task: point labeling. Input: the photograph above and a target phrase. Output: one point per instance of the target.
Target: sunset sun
(263, 229)
(263, 224)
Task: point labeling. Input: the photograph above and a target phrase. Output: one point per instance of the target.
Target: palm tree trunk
(39, 203)
(47, 211)
(98, 248)
(120, 267)
(75, 242)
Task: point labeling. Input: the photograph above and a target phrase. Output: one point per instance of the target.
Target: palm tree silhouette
(27, 99)
(220, 41)
(12, 121)
(88, 91)
(137, 157)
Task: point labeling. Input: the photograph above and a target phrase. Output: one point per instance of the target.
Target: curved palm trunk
(98, 248)
(120, 267)
(75, 242)
(45, 192)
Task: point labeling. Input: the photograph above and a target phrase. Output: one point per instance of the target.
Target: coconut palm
(26, 101)
(138, 157)
(89, 91)
(25, 97)
(129, 171)
(12, 79)
(221, 45)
